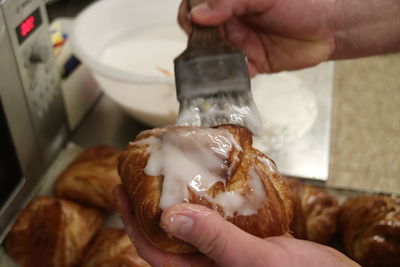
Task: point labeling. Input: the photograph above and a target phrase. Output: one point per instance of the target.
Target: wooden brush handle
(206, 39)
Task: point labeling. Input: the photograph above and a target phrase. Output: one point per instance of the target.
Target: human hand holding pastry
(237, 223)
(221, 243)
(214, 167)
(192, 189)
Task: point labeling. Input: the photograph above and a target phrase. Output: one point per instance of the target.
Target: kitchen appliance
(33, 126)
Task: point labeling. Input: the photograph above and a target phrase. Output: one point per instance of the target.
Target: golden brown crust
(315, 212)
(370, 230)
(52, 232)
(144, 191)
(112, 247)
(90, 178)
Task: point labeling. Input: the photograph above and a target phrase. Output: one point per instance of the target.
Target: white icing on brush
(196, 159)
(224, 109)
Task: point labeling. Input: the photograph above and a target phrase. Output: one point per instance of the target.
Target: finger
(215, 12)
(245, 38)
(184, 17)
(217, 238)
(300, 251)
(252, 69)
(124, 211)
(147, 251)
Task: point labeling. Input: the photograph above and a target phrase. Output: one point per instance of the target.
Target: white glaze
(236, 202)
(255, 184)
(195, 160)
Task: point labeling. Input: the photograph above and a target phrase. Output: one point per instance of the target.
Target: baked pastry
(214, 167)
(90, 178)
(315, 212)
(370, 230)
(112, 247)
(52, 232)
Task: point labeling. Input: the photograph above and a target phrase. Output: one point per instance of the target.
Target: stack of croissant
(370, 230)
(64, 231)
(315, 212)
(369, 226)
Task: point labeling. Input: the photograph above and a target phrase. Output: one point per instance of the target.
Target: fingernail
(179, 224)
(201, 8)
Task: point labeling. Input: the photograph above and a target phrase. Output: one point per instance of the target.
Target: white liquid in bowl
(147, 54)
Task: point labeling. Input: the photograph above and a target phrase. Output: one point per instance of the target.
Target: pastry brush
(213, 83)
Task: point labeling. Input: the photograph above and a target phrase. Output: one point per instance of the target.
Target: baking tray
(308, 156)
(72, 151)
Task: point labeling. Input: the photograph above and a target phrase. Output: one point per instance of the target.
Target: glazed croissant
(112, 247)
(370, 230)
(315, 212)
(214, 167)
(52, 232)
(90, 178)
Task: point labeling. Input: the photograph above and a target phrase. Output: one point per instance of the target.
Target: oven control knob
(39, 54)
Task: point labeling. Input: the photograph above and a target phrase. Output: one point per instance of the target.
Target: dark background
(66, 8)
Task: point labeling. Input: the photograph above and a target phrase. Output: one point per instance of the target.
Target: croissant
(112, 247)
(214, 167)
(370, 230)
(315, 212)
(52, 233)
(90, 178)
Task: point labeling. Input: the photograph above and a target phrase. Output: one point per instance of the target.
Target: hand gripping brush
(213, 83)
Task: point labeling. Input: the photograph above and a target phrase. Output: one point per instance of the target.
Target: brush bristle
(223, 108)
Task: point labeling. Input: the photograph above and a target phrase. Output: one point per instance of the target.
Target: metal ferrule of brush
(207, 75)
(214, 90)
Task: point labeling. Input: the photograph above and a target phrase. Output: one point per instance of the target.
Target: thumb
(216, 12)
(215, 237)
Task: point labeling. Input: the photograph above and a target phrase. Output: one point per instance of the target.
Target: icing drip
(196, 160)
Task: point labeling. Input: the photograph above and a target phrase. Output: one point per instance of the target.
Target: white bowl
(129, 45)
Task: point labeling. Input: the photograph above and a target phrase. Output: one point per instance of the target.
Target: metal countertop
(106, 124)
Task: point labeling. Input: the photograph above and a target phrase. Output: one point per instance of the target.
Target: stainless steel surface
(107, 124)
(308, 157)
(26, 89)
